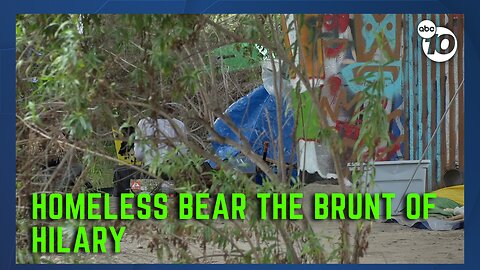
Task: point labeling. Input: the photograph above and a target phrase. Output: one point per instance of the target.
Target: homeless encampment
(255, 115)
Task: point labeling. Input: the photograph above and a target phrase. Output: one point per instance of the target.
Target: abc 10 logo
(439, 44)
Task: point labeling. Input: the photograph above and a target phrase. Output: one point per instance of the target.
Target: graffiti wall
(337, 48)
(428, 89)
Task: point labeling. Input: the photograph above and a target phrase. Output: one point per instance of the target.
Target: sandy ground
(393, 243)
(388, 243)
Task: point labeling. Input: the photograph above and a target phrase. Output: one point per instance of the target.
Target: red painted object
(347, 130)
(352, 131)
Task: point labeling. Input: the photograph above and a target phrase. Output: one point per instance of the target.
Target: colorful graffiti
(340, 47)
(368, 27)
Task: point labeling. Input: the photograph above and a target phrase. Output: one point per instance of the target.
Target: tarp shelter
(255, 115)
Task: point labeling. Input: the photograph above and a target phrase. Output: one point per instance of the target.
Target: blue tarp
(432, 223)
(255, 115)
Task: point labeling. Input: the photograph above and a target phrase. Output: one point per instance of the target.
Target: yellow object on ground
(128, 155)
(454, 193)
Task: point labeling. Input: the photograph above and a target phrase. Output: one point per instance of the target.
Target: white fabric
(315, 158)
(281, 82)
(163, 132)
(458, 211)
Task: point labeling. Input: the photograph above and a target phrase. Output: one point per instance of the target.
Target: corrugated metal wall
(428, 88)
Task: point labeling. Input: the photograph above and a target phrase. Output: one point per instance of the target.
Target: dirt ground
(388, 243)
(393, 243)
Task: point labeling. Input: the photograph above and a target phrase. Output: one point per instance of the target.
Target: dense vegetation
(80, 76)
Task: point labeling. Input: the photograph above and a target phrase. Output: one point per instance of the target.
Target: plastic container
(394, 176)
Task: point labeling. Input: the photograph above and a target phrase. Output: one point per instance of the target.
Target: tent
(255, 116)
